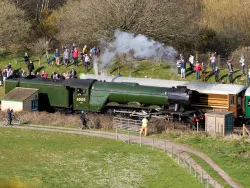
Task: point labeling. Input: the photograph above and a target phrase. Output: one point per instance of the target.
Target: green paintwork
(81, 102)
(50, 93)
(123, 93)
(97, 95)
(247, 106)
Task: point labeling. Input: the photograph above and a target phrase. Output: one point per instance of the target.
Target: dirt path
(179, 148)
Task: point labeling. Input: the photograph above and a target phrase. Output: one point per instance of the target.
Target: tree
(229, 18)
(40, 48)
(14, 29)
(88, 21)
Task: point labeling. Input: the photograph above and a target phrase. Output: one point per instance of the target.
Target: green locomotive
(96, 96)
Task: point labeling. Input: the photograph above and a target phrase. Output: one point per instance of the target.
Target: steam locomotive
(110, 97)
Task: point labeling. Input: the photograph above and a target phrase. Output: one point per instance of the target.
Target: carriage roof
(201, 87)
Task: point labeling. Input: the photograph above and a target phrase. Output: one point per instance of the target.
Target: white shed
(21, 99)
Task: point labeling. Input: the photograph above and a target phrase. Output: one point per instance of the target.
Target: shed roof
(201, 87)
(19, 93)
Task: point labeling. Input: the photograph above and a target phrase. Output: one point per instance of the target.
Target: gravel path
(179, 149)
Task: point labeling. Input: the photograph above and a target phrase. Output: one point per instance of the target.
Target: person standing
(87, 62)
(66, 56)
(191, 62)
(83, 120)
(216, 74)
(75, 55)
(230, 71)
(26, 58)
(144, 126)
(183, 69)
(203, 72)
(242, 62)
(30, 66)
(57, 56)
(9, 113)
(197, 70)
(213, 61)
(178, 64)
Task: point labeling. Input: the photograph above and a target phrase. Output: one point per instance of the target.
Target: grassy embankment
(143, 68)
(232, 154)
(49, 159)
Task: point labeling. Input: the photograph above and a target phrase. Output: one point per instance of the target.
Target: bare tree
(88, 21)
(40, 48)
(13, 28)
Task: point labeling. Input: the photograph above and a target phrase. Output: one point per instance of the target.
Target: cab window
(79, 91)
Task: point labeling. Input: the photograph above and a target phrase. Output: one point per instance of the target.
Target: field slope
(44, 159)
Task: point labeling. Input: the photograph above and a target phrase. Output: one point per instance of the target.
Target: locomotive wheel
(91, 124)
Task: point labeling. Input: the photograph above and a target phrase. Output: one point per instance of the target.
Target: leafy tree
(14, 29)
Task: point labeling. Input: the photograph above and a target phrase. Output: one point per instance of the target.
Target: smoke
(137, 47)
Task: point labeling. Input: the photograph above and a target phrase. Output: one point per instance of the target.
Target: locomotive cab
(80, 93)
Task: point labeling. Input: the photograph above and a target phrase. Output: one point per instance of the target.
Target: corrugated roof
(19, 93)
(201, 87)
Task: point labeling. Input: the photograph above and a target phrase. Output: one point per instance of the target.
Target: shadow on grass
(238, 76)
(16, 72)
(39, 69)
(209, 76)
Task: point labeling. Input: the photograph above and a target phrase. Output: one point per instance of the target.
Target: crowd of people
(200, 68)
(73, 55)
(69, 55)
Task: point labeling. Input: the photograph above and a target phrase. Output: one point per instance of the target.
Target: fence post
(153, 144)
(116, 133)
(140, 139)
(172, 151)
(195, 171)
(178, 157)
(207, 181)
(128, 137)
(190, 168)
(165, 146)
(201, 176)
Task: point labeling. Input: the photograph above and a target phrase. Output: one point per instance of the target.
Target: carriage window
(84, 91)
(232, 100)
(239, 101)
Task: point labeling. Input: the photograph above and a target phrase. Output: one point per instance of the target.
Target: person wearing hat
(144, 126)
(83, 119)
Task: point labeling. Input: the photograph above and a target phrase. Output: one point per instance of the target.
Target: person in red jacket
(197, 70)
(75, 55)
(196, 121)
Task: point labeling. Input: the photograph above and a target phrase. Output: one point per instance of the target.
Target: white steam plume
(137, 46)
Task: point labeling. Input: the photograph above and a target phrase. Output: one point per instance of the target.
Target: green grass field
(49, 159)
(231, 154)
(162, 70)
